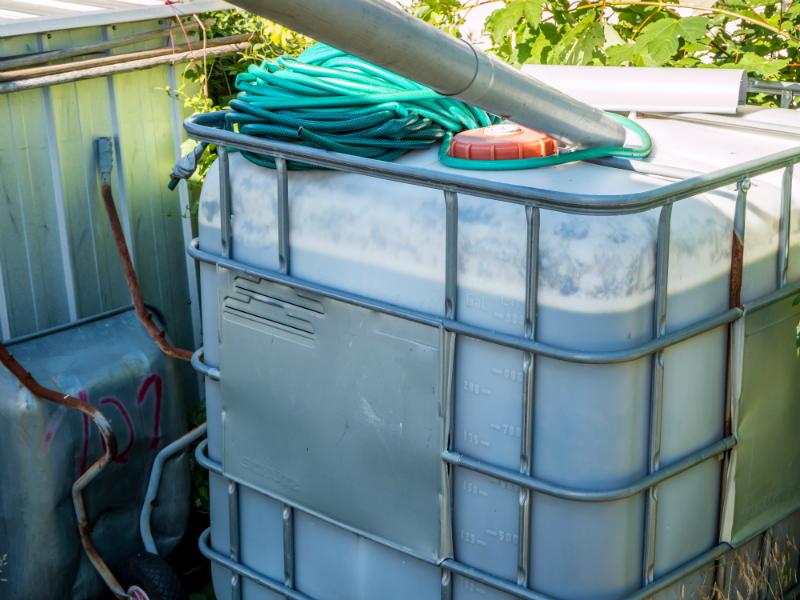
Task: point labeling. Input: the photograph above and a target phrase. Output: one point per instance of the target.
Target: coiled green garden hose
(328, 99)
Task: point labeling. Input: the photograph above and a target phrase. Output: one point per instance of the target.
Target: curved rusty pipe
(142, 313)
(110, 442)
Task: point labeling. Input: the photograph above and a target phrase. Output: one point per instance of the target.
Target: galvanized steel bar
(493, 581)
(767, 299)
(533, 220)
(656, 391)
(662, 583)
(692, 566)
(480, 333)
(578, 495)
(287, 517)
(225, 207)
(282, 177)
(241, 571)
(233, 536)
(785, 225)
(203, 127)
(40, 58)
(446, 584)
(448, 385)
(201, 367)
(153, 484)
(114, 69)
(735, 359)
(451, 254)
(201, 455)
(446, 507)
(448, 565)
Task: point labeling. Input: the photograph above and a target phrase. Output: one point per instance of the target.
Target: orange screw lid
(507, 141)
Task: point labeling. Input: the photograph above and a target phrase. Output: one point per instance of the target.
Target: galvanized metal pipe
(41, 58)
(393, 39)
(151, 495)
(41, 71)
(106, 70)
(204, 127)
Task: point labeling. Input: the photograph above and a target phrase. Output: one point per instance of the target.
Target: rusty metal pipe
(142, 313)
(110, 442)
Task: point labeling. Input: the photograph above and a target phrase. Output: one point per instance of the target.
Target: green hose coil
(328, 99)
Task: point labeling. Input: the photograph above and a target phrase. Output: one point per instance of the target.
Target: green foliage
(760, 37)
(208, 84)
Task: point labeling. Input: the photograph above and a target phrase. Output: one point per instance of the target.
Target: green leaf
(502, 21)
(660, 40)
(657, 42)
(579, 44)
(539, 49)
(621, 54)
(692, 29)
(760, 65)
(533, 12)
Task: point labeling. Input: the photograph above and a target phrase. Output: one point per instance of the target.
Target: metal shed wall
(57, 258)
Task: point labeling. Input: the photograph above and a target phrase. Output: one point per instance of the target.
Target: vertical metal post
(449, 365)
(225, 201)
(282, 176)
(532, 218)
(451, 254)
(787, 97)
(227, 250)
(785, 225)
(288, 546)
(282, 180)
(233, 536)
(735, 357)
(656, 391)
(737, 251)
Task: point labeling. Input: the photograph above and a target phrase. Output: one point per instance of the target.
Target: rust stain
(737, 268)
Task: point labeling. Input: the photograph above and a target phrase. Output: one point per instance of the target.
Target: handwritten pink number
(155, 382)
(122, 455)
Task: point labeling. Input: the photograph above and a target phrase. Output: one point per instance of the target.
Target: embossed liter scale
(438, 386)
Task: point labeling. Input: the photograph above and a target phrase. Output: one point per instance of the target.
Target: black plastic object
(152, 575)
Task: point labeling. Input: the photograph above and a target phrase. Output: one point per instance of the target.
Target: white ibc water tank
(385, 240)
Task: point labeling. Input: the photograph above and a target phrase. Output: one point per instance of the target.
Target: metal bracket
(104, 155)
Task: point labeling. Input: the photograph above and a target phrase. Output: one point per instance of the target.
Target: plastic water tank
(385, 240)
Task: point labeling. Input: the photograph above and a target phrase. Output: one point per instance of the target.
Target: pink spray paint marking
(122, 455)
(53, 425)
(154, 381)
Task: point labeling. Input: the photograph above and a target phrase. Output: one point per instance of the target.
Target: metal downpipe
(391, 38)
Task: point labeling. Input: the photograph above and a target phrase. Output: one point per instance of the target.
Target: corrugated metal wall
(57, 258)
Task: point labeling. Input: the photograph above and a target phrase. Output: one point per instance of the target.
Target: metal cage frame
(206, 128)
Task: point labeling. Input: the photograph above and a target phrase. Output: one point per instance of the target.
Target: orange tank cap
(506, 141)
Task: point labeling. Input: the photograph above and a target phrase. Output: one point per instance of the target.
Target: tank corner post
(734, 368)
(282, 181)
(659, 325)
(785, 225)
(449, 343)
(533, 223)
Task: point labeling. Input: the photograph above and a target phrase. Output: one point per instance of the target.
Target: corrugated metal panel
(57, 258)
(20, 17)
